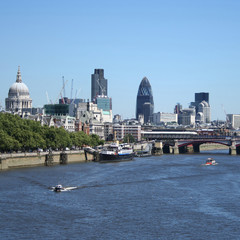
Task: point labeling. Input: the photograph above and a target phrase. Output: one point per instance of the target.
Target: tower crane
(47, 97)
(64, 93)
(60, 94)
(102, 88)
(227, 118)
(71, 89)
(76, 94)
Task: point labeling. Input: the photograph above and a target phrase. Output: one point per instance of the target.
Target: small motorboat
(210, 161)
(58, 188)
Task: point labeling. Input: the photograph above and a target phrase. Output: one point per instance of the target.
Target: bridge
(188, 141)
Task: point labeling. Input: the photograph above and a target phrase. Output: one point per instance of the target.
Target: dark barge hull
(115, 158)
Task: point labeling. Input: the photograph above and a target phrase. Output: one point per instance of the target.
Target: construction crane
(71, 89)
(102, 88)
(47, 97)
(60, 94)
(64, 93)
(76, 94)
(227, 118)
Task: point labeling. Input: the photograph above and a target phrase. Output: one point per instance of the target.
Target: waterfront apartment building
(98, 84)
(121, 130)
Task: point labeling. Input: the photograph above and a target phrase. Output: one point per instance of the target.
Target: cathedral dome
(18, 100)
(18, 89)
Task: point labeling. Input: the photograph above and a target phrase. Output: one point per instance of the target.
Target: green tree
(129, 138)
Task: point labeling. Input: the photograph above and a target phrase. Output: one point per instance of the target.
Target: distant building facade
(164, 118)
(202, 108)
(234, 120)
(187, 117)
(99, 84)
(203, 114)
(18, 100)
(121, 130)
(145, 104)
(202, 96)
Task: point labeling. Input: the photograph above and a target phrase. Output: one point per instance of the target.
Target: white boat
(60, 188)
(117, 152)
(210, 161)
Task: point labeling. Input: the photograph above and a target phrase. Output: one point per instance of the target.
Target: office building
(98, 84)
(164, 118)
(202, 96)
(203, 114)
(121, 130)
(145, 104)
(178, 108)
(104, 103)
(202, 108)
(234, 120)
(187, 117)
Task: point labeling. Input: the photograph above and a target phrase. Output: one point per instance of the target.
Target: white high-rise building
(234, 120)
(203, 114)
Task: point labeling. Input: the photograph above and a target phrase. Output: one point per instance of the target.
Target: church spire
(19, 77)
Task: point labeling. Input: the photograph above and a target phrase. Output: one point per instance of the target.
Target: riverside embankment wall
(19, 160)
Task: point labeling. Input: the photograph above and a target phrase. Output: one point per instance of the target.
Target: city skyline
(182, 47)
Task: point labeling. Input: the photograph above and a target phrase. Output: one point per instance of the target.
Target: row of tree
(17, 134)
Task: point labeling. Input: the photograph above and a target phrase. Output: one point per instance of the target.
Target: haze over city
(182, 47)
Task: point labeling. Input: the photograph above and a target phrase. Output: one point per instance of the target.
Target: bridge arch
(194, 146)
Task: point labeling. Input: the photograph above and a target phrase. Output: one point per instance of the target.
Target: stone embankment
(19, 160)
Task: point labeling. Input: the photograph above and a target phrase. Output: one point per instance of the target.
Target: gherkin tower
(145, 104)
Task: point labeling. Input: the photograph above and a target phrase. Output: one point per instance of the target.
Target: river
(166, 197)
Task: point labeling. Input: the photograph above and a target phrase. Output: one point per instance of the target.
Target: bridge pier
(196, 148)
(157, 149)
(175, 149)
(232, 151)
(233, 148)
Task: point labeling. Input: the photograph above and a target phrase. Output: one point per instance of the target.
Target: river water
(166, 197)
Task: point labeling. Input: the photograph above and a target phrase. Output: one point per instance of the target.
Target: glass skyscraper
(145, 104)
(99, 84)
(202, 96)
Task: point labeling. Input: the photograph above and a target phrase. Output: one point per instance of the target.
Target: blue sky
(181, 46)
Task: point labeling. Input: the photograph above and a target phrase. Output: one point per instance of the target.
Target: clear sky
(181, 46)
